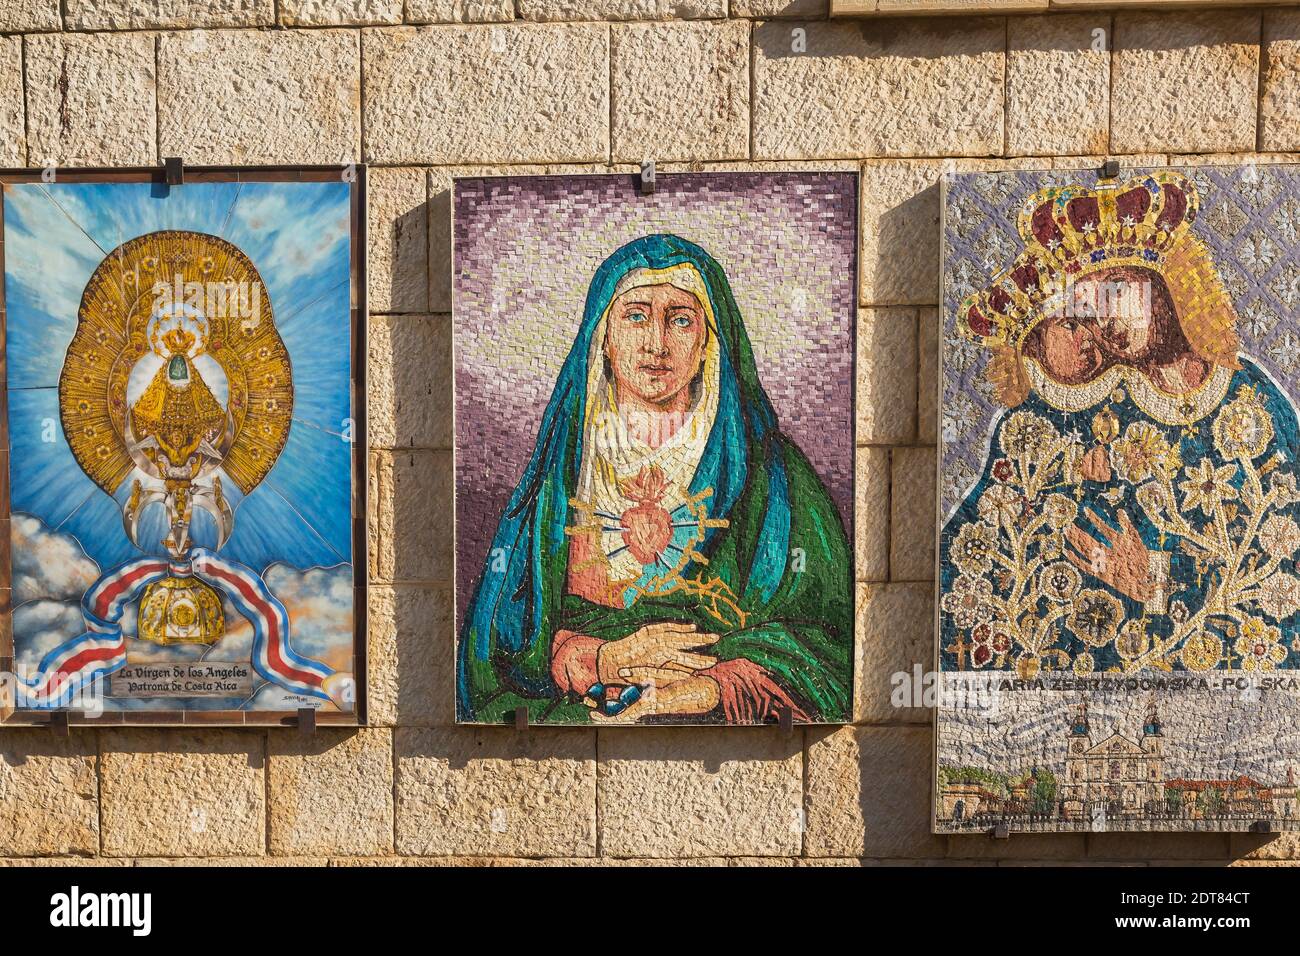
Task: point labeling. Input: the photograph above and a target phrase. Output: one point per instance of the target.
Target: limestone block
(1184, 82)
(167, 792)
(895, 636)
(899, 231)
(49, 797)
(90, 99)
(283, 96)
(622, 9)
(64, 862)
(374, 468)
(331, 793)
(773, 9)
(1271, 863)
(410, 656)
(316, 13)
(927, 378)
(1279, 101)
(1158, 846)
(908, 87)
(1266, 847)
(495, 792)
(167, 14)
(13, 139)
(1058, 84)
(871, 523)
(414, 515)
(409, 381)
(29, 15)
(870, 794)
(234, 861)
(398, 236)
(459, 11)
(1037, 847)
(867, 862)
(495, 862)
(668, 792)
(1093, 161)
(913, 515)
(886, 396)
(1228, 159)
(518, 93)
(950, 7)
(700, 72)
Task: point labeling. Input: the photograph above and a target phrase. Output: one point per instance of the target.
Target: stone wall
(425, 89)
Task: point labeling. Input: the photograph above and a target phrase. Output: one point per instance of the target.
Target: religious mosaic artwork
(654, 448)
(179, 373)
(1119, 503)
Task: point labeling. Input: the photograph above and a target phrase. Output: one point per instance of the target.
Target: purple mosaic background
(1249, 218)
(525, 251)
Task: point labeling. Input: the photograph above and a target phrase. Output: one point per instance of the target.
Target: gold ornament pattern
(180, 611)
(113, 335)
(1230, 517)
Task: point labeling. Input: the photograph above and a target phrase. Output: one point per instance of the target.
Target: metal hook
(174, 170)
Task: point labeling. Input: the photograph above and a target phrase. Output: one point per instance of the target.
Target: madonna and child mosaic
(654, 448)
(1119, 501)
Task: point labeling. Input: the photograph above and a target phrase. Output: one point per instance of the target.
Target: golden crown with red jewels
(1073, 231)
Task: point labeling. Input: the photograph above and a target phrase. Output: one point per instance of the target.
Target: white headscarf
(610, 455)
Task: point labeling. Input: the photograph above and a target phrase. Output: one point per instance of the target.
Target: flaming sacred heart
(647, 527)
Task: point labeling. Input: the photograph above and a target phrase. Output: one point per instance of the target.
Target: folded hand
(658, 653)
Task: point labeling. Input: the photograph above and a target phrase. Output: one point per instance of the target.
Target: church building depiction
(1117, 773)
(1112, 776)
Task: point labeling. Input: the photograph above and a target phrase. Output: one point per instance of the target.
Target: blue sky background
(297, 236)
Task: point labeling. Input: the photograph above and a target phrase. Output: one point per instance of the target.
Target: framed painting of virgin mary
(654, 448)
(1118, 639)
(184, 446)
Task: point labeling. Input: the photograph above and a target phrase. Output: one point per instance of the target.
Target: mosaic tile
(654, 447)
(1118, 587)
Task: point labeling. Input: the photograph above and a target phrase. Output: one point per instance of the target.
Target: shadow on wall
(919, 37)
(682, 745)
(410, 483)
(930, 38)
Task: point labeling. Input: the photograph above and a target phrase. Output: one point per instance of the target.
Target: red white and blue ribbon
(101, 650)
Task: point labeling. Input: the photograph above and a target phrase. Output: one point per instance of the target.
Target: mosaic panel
(654, 448)
(179, 383)
(1118, 589)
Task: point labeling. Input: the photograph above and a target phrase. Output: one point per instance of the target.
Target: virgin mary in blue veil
(669, 554)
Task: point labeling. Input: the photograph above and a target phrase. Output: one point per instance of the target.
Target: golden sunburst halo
(117, 327)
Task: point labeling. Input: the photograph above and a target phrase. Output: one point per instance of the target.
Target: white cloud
(51, 574)
(48, 564)
(301, 241)
(263, 212)
(40, 627)
(319, 602)
(50, 256)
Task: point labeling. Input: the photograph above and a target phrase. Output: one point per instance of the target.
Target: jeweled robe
(1208, 480)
